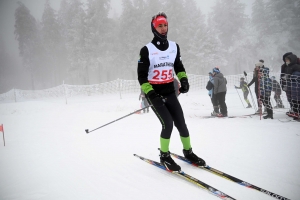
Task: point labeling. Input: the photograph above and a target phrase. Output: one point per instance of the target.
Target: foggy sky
(36, 7)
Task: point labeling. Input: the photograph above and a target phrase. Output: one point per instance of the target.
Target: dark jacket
(295, 86)
(283, 81)
(254, 80)
(220, 83)
(293, 75)
(293, 66)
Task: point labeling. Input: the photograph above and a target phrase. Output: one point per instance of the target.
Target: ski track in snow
(49, 156)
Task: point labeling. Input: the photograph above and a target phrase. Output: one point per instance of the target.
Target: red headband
(159, 20)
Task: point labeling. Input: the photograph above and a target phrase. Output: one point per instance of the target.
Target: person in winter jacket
(159, 60)
(210, 88)
(284, 81)
(277, 92)
(255, 80)
(244, 87)
(293, 74)
(265, 88)
(144, 101)
(220, 90)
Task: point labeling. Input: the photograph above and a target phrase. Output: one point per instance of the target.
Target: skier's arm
(252, 81)
(142, 70)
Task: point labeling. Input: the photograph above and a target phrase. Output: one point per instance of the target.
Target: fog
(87, 42)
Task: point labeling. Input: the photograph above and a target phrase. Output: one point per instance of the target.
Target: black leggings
(221, 99)
(169, 113)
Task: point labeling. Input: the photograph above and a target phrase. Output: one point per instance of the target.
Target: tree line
(81, 44)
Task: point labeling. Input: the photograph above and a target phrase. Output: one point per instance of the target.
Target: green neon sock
(186, 142)
(164, 144)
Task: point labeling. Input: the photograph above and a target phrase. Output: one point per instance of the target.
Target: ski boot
(188, 154)
(167, 161)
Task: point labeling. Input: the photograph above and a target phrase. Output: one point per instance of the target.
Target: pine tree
(71, 18)
(28, 37)
(131, 32)
(229, 18)
(52, 43)
(99, 39)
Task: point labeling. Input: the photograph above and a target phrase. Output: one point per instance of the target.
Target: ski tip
(134, 154)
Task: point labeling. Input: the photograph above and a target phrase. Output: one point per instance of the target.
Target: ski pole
(240, 97)
(250, 92)
(88, 131)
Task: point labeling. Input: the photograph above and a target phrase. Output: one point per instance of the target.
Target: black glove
(155, 99)
(185, 86)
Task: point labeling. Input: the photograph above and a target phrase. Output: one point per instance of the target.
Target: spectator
(265, 88)
(220, 89)
(210, 88)
(293, 74)
(284, 82)
(255, 81)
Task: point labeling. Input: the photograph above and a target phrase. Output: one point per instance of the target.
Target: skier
(158, 60)
(220, 89)
(244, 87)
(277, 92)
(144, 101)
(265, 88)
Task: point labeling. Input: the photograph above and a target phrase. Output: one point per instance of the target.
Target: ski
(231, 178)
(208, 117)
(189, 178)
(288, 120)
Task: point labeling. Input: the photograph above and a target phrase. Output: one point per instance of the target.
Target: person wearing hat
(293, 77)
(210, 88)
(277, 92)
(244, 87)
(286, 82)
(220, 90)
(159, 60)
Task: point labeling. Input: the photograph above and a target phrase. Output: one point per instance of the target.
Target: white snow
(49, 156)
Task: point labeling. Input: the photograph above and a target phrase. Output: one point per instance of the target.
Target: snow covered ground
(49, 156)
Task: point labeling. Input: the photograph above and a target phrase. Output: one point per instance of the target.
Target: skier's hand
(185, 86)
(235, 87)
(155, 99)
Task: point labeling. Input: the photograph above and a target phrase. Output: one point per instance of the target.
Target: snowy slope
(49, 156)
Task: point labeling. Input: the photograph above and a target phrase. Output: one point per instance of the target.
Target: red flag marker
(2, 130)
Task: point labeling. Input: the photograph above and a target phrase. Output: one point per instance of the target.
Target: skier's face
(162, 29)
